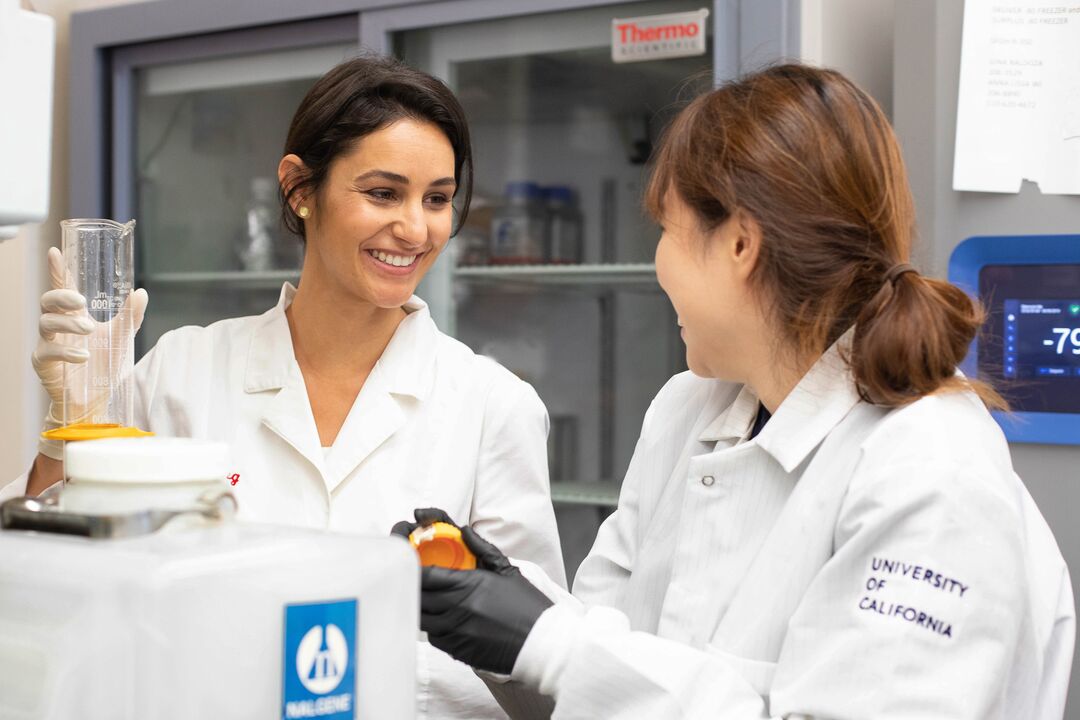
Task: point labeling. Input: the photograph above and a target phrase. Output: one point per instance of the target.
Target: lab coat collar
(408, 362)
(271, 361)
(735, 422)
(406, 366)
(824, 396)
(406, 371)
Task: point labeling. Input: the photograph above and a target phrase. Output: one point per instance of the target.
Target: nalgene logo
(658, 36)
(322, 658)
(319, 660)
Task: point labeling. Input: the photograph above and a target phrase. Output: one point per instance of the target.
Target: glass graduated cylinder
(99, 259)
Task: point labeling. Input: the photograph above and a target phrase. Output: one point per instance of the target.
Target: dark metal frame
(106, 45)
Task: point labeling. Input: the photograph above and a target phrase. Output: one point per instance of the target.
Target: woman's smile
(397, 265)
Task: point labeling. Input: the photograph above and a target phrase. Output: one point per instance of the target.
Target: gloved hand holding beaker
(89, 318)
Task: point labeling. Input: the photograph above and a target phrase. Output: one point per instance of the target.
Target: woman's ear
(746, 247)
(291, 170)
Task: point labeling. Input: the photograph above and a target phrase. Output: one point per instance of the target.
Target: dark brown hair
(812, 159)
(358, 97)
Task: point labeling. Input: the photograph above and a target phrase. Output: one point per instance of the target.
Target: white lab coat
(850, 562)
(435, 425)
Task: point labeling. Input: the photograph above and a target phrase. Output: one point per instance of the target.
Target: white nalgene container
(220, 619)
(125, 475)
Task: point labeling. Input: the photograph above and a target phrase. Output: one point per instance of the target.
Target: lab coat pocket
(757, 673)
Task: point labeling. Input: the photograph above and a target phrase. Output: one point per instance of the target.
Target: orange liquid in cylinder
(92, 431)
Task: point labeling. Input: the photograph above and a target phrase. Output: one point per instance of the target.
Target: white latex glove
(63, 315)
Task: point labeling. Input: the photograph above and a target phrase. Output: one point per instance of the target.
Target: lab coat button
(708, 480)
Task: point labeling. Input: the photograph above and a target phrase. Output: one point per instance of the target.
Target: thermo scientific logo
(319, 660)
(654, 37)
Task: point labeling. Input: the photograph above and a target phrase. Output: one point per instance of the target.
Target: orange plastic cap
(441, 544)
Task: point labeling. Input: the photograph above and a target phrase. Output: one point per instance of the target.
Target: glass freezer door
(552, 274)
(201, 123)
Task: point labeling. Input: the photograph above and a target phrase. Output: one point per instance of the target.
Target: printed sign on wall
(1018, 116)
(655, 37)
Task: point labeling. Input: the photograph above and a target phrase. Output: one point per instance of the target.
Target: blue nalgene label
(319, 664)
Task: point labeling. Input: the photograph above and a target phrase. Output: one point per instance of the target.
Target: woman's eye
(438, 200)
(381, 194)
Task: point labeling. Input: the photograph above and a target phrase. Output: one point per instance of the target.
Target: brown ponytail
(909, 339)
(813, 160)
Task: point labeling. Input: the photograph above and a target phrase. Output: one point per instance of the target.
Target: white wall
(22, 270)
(854, 37)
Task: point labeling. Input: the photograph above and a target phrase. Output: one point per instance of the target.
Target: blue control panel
(1029, 348)
(1041, 338)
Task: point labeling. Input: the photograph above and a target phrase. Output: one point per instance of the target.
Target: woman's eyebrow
(401, 179)
(384, 174)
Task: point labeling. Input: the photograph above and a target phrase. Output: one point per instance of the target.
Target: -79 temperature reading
(1072, 335)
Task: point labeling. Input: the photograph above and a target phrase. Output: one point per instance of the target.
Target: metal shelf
(597, 276)
(232, 278)
(605, 494)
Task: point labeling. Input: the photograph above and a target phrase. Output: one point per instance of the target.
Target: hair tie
(897, 270)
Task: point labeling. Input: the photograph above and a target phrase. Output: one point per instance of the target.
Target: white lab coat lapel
(271, 365)
(289, 415)
(400, 380)
(375, 417)
(801, 541)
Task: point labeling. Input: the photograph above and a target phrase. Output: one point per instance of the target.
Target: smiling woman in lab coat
(344, 405)
(821, 519)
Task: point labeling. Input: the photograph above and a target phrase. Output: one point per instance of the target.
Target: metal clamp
(44, 515)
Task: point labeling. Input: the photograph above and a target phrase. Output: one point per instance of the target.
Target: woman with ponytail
(821, 518)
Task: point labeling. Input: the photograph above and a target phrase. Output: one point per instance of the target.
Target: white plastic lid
(146, 460)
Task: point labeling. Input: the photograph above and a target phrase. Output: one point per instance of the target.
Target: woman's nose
(411, 227)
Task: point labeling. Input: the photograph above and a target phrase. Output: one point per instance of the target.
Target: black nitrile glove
(424, 517)
(480, 617)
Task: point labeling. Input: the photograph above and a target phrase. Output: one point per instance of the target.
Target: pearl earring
(302, 211)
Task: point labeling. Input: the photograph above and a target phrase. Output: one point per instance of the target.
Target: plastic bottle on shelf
(518, 228)
(472, 243)
(564, 244)
(257, 247)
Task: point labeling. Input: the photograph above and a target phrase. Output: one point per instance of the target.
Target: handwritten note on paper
(1019, 112)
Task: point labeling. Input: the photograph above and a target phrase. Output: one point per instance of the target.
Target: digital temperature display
(1041, 338)
(1030, 350)
(1028, 346)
